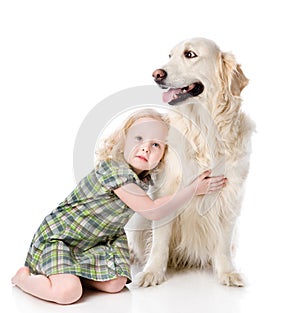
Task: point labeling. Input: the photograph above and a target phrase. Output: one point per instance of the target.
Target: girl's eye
(156, 145)
(138, 138)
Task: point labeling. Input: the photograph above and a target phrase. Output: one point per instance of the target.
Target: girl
(82, 242)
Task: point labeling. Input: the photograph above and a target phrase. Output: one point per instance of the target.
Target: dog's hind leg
(155, 269)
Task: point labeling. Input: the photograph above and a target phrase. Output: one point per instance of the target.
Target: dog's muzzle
(176, 95)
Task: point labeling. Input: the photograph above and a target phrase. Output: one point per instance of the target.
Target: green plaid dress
(85, 234)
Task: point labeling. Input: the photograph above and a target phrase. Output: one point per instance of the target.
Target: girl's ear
(231, 74)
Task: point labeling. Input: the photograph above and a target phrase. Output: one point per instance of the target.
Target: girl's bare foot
(21, 274)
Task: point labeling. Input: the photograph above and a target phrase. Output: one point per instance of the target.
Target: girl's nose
(146, 147)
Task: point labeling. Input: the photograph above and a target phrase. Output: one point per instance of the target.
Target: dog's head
(198, 68)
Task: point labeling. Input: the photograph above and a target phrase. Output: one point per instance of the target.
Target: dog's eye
(190, 54)
(170, 56)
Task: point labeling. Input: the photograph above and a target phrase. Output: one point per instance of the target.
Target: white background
(58, 59)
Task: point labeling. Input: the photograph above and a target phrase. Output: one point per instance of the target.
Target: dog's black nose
(159, 75)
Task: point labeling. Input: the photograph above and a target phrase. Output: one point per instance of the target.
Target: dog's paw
(232, 279)
(146, 279)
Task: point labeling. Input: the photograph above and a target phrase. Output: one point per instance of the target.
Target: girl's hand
(205, 184)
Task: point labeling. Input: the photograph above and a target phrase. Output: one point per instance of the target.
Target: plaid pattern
(85, 234)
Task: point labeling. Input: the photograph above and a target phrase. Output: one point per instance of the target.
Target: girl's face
(145, 144)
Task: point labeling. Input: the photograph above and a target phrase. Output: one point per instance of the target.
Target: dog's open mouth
(176, 95)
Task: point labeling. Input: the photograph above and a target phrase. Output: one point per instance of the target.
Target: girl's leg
(59, 288)
(111, 286)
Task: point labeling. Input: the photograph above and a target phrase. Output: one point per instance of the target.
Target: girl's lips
(142, 158)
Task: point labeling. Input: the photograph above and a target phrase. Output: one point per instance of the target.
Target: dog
(208, 131)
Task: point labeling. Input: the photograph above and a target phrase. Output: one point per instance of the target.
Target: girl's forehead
(145, 120)
(147, 123)
(149, 126)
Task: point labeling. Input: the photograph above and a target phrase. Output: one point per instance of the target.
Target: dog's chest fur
(197, 145)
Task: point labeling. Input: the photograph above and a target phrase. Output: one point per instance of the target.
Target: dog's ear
(231, 74)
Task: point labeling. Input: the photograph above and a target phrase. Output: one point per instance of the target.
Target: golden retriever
(209, 131)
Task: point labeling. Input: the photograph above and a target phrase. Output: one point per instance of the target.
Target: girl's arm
(136, 198)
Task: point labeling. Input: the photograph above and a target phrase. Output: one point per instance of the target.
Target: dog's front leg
(155, 269)
(223, 260)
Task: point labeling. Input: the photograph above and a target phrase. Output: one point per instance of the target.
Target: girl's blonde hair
(112, 147)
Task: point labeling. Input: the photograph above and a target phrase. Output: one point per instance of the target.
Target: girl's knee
(110, 286)
(68, 295)
(67, 291)
(116, 285)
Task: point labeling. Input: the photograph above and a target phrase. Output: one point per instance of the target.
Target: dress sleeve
(112, 175)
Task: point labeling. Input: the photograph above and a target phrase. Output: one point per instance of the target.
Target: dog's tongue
(169, 95)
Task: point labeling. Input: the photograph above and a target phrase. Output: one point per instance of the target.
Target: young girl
(82, 242)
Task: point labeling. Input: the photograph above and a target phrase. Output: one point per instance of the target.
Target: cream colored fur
(207, 131)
